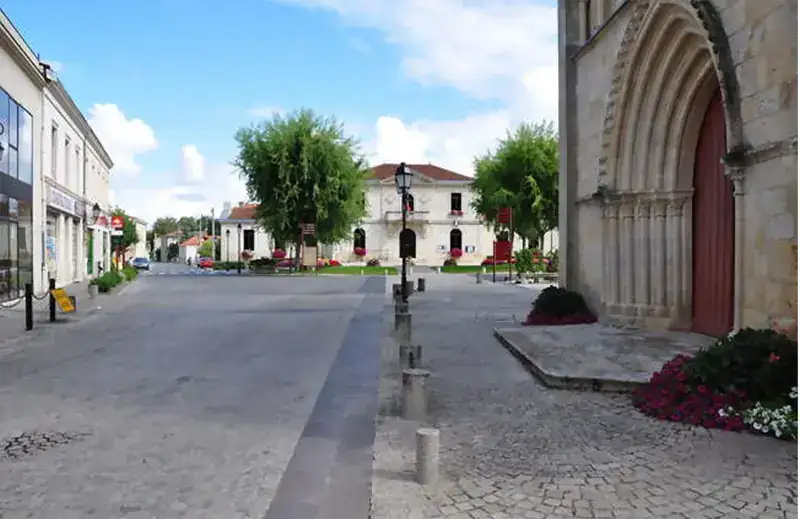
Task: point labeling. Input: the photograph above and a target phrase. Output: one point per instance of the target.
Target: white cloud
(123, 138)
(193, 164)
(502, 50)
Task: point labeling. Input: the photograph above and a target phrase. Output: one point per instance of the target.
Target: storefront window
(6, 283)
(25, 146)
(4, 131)
(25, 242)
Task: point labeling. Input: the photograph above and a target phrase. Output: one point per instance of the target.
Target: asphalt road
(198, 397)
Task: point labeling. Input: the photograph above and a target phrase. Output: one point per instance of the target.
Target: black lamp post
(95, 212)
(239, 248)
(402, 181)
(228, 245)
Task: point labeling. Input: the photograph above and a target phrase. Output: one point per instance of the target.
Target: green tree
(165, 225)
(188, 226)
(303, 169)
(521, 173)
(206, 250)
(129, 235)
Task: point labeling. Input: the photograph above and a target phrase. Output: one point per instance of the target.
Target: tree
(164, 226)
(206, 250)
(129, 235)
(303, 169)
(522, 173)
(188, 226)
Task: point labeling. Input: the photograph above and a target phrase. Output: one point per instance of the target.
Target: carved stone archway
(673, 58)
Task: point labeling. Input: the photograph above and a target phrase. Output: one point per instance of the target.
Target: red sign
(502, 250)
(504, 215)
(117, 223)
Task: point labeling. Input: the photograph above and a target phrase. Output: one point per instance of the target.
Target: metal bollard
(420, 284)
(427, 455)
(410, 356)
(409, 287)
(52, 286)
(415, 399)
(28, 306)
(478, 278)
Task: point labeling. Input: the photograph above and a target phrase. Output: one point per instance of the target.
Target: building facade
(679, 160)
(21, 84)
(440, 217)
(97, 234)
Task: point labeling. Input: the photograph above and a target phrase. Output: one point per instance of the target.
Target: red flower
(773, 358)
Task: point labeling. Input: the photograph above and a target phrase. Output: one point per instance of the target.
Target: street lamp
(228, 245)
(95, 212)
(239, 248)
(402, 181)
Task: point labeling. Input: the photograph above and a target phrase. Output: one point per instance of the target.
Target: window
(5, 102)
(25, 167)
(25, 242)
(455, 202)
(67, 168)
(410, 202)
(455, 239)
(78, 170)
(54, 152)
(5, 262)
(249, 239)
(359, 239)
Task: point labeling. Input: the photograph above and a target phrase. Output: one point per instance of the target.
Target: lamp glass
(402, 178)
(96, 211)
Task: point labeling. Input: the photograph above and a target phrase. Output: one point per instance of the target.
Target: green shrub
(107, 281)
(261, 263)
(552, 266)
(374, 262)
(130, 273)
(760, 363)
(560, 302)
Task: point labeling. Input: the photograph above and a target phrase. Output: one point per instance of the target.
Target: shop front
(96, 240)
(64, 236)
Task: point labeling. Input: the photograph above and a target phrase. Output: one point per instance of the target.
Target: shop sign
(65, 202)
(117, 223)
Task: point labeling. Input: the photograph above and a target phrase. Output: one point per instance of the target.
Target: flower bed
(746, 381)
(360, 252)
(559, 306)
(279, 254)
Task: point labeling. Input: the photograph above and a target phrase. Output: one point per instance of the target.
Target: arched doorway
(410, 237)
(712, 228)
(456, 239)
(359, 239)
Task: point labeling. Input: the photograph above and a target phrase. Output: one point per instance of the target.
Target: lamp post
(95, 212)
(239, 248)
(402, 181)
(228, 245)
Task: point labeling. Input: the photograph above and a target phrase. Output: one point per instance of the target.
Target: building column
(641, 226)
(738, 252)
(627, 257)
(61, 248)
(80, 271)
(658, 280)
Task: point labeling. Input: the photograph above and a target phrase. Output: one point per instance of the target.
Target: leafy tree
(303, 169)
(165, 225)
(173, 251)
(521, 173)
(206, 250)
(129, 235)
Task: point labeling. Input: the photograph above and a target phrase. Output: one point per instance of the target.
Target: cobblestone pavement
(513, 449)
(186, 401)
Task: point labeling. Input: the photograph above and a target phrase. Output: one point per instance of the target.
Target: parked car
(205, 263)
(140, 263)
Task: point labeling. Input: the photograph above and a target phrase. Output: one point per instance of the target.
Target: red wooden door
(712, 229)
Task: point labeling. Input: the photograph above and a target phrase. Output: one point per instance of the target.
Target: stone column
(674, 256)
(642, 269)
(738, 236)
(61, 248)
(659, 276)
(627, 255)
(685, 215)
(583, 19)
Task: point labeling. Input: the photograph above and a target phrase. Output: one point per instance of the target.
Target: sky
(165, 84)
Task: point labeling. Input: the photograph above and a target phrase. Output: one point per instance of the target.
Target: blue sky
(166, 83)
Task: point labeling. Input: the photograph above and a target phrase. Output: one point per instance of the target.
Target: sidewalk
(513, 449)
(12, 313)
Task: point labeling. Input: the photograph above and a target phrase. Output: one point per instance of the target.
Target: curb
(560, 382)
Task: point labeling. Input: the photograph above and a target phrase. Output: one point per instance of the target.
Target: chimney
(241, 204)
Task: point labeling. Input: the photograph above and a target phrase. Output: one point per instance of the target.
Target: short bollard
(92, 291)
(28, 306)
(478, 278)
(51, 287)
(402, 327)
(421, 285)
(410, 356)
(415, 399)
(427, 455)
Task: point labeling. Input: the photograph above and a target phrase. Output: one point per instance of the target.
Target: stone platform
(594, 356)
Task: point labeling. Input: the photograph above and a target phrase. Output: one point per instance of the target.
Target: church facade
(678, 123)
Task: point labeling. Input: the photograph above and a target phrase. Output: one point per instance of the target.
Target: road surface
(198, 397)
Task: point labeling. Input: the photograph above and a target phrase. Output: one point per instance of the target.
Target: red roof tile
(243, 212)
(194, 241)
(386, 171)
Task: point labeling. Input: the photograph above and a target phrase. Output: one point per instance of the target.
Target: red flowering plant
(360, 251)
(247, 255)
(456, 253)
(716, 387)
(457, 213)
(279, 254)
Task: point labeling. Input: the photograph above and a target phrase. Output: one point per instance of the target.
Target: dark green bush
(760, 363)
(261, 263)
(560, 302)
(374, 262)
(130, 273)
(107, 281)
(450, 262)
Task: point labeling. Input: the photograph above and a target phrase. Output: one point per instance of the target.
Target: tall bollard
(478, 278)
(409, 287)
(427, 455)
(52, 286)
(415, 399)
(402, 327)
(28, 306)
(420, 284)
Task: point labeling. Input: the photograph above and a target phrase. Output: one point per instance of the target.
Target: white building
(21, 84)
(138, 250)
(97, 235)
(441, 218)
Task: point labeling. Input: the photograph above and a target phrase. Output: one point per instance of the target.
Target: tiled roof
(194, 241)
(243, 212)
(386, 171)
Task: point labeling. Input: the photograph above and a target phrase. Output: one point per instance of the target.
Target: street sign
(309, 256)
(308, 228)
(65, 302)
(117, 223)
